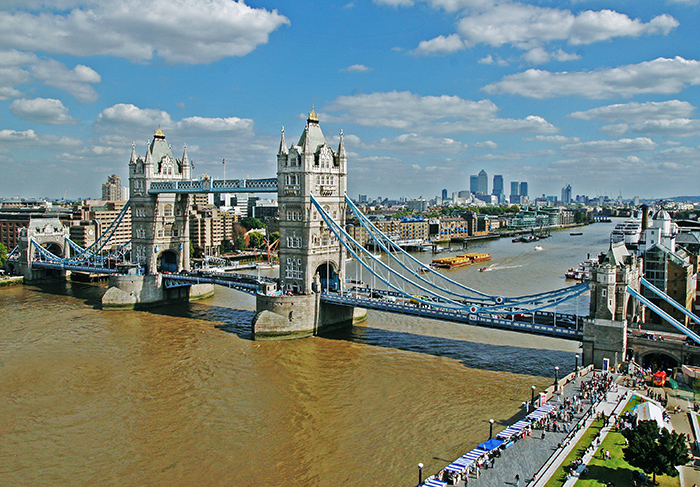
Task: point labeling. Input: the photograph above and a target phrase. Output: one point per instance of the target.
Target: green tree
(655, 451)
(3, 254)
(251, 223)
(239, 242)
(256, 240)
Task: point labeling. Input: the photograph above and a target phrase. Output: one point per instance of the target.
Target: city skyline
(427, 92)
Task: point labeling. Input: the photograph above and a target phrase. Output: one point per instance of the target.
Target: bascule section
(311, 175)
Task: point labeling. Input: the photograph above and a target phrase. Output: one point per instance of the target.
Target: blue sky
(599, 95)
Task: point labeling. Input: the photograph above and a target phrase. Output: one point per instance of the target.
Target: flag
(192, 164)
(223, 161)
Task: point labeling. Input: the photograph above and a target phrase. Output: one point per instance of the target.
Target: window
(168, 210)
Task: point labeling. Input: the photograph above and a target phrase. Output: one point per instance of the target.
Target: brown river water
(181, 395)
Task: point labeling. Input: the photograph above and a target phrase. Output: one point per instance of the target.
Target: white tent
(648, 410)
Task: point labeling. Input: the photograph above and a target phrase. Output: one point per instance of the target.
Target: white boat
(538, 247)
(628, 231)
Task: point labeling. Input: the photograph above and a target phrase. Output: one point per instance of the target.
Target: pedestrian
(517, 480)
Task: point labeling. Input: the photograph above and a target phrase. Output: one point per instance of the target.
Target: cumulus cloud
(527, 26)
(356, 68)
(611, 146)
(75, 81)
(440, 45)
(539, 55)
(129, 115)
(661, 75)
(638, 112)
(559, 139)
(419, 144)
(491, 60)
(487, 144)
(407, 111)
(27, 138)
(187, 31)
(44, 110)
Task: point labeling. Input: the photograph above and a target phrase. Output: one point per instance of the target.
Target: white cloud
(660, 75)
(611, 146)
(419, 144)
(44, 110)
(527, 26)
(487, 144)
(440, 45)
(30, 138)
(188, 31)
(559, 139)
(357, 68)
(433, 114)
(638, 112)
(539, 55)
(215, 126)
(128, 115)
(491, 60)
(76, 81)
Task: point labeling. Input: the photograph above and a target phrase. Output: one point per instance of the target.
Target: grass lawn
(600, 472)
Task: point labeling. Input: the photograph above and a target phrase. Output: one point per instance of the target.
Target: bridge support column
(131, 291)
(604, 339)
(281, 317)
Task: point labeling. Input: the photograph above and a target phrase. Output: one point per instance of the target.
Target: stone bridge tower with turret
(307, 247)
(611, 308)
(159, 223)
(311, 257)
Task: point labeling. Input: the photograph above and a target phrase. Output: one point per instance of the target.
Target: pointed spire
(185, 159)
(133, 153)
(283, 144)
(312, 116)
(341, 146)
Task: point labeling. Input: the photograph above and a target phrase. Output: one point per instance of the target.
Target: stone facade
(159, 223)
(611, 308)
(307, 247)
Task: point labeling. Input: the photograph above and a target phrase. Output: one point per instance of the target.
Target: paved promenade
(541, 457)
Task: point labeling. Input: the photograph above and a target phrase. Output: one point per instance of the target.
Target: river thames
(181, 395)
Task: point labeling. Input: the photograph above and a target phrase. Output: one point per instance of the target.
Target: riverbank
(11, 280)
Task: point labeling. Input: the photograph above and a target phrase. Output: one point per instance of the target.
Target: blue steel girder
(454, 316)
(266, 185)
(64, 266)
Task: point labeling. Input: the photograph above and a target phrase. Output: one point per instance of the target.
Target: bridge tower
(160, 232)
(611, 308)
(311, 257)
(307, 247)
(50, 234)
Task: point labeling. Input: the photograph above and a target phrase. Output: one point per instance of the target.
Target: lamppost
(420, 474)
(490, 428)
(576, 363)
(532, 400)
(556, 378)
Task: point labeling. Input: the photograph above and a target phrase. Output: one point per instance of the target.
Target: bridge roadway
(241, 282)
(536, 327)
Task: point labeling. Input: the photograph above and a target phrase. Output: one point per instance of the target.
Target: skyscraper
(566, 194)
(514, 192)
(444, 194)
(498, 184)
(474, 183)
(483, 183)
(523, 188)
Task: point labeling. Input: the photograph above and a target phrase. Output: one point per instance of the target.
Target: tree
(239, 242)
(655, 451)
(3, 255)
(256, 240)
(251, 223)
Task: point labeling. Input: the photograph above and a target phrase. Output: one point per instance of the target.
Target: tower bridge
(313, 293)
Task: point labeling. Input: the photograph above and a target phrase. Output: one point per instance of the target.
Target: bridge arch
(167, 261)
(659, 360)
(328, 276)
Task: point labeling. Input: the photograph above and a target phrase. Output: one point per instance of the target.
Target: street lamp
(576, 363)
(490, 428)
(420, 474)
(532, 400)
(556, 378)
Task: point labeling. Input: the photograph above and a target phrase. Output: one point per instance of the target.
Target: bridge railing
(265, 185)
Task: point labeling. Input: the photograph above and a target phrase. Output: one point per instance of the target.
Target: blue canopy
(491, 444)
